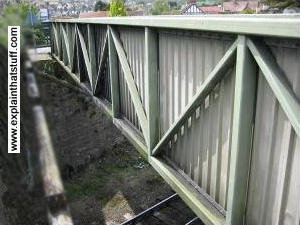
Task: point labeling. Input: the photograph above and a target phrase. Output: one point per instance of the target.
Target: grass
(101, 176)
(89, 186)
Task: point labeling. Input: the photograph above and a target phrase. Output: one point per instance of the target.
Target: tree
(101, 6)
(160, 7)
(281, 4)
(248, 11)
(15, 14)
(117, 8)
(20, 9)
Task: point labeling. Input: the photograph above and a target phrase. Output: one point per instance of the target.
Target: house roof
(239, 6)
(214, 9)
(93, 14)
(233, 7)
(136, 12)
(210, 9)
(188, 6)
(253, 4)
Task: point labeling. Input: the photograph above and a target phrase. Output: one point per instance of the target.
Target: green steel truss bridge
(213, 103)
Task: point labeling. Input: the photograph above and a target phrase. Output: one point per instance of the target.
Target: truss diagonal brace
(74, 62)
(56, 38)
(104, 55)
(70, 28)
(277, 81)
(131, 84)
(66, 43)
(223, 65)
(85, 55)
(92, 52)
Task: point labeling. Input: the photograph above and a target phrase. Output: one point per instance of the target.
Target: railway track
(169, 211)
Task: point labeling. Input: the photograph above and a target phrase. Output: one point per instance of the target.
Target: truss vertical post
(64, 45)
(57, 39)
(60, 43)
(92, 53)
(152, 87)
(114, 75)
(79, 59)
(72, 33)
(54, 40)
(70, 40)
(242, 131)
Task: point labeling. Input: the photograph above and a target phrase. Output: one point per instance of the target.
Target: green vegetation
(160, 7)
(101, 6)
(248, 11)
(117, 8)
(281, 4)
(19, 9)
(11, 15)
(15, 15)
(90, 186)
(99, 182)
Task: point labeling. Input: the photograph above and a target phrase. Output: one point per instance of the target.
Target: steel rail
(196, 219)
(149, 210)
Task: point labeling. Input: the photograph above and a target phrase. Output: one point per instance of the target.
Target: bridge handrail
(277, 25)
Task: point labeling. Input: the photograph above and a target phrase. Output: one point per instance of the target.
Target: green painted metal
(132, 135)
(71, 40)
(186, 191)
(152, 92)
(114, 76)
(131, 83)
(56, 38)
(259, 24)
(67, 43)
(92, 54)
(104, 106)
(243, 122)
(75, 53)
(85, 55)
(104, 55)
(277, 81)
(224, 64)
(67, 69)
(248, 52)
(80, 67)
(179, 184)
(60, 55)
